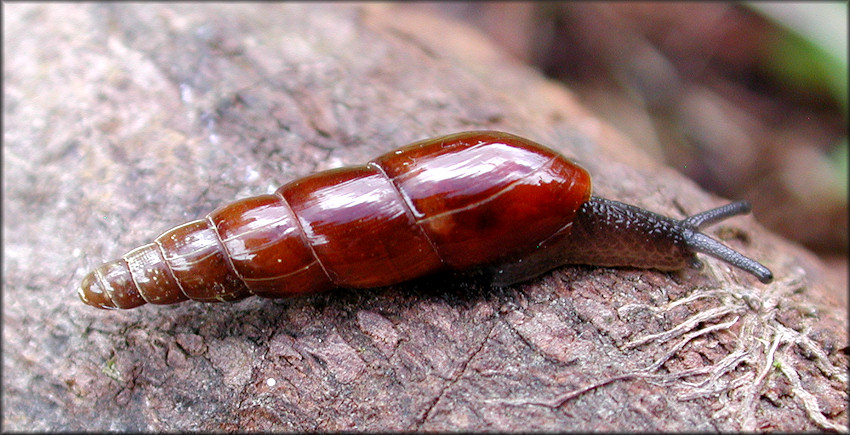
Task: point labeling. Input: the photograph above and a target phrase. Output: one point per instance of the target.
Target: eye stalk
(699, 242)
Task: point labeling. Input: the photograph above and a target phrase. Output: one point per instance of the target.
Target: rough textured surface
(123, 120)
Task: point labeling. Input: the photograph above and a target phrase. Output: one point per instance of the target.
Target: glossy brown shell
(453, 202)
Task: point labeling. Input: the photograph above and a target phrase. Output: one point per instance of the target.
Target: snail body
(479, 199)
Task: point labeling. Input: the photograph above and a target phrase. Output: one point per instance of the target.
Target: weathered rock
(124, 120)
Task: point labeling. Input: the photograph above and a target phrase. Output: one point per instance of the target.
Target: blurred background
(747, 99)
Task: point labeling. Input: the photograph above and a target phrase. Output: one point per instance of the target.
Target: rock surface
(124, 120)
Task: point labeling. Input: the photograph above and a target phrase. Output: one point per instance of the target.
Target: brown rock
(123, 120)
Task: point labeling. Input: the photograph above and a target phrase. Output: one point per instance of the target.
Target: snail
(478, 199)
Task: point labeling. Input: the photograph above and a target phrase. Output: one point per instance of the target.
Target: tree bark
(124, 120)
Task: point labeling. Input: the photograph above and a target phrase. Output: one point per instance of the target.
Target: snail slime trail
(478, 199)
